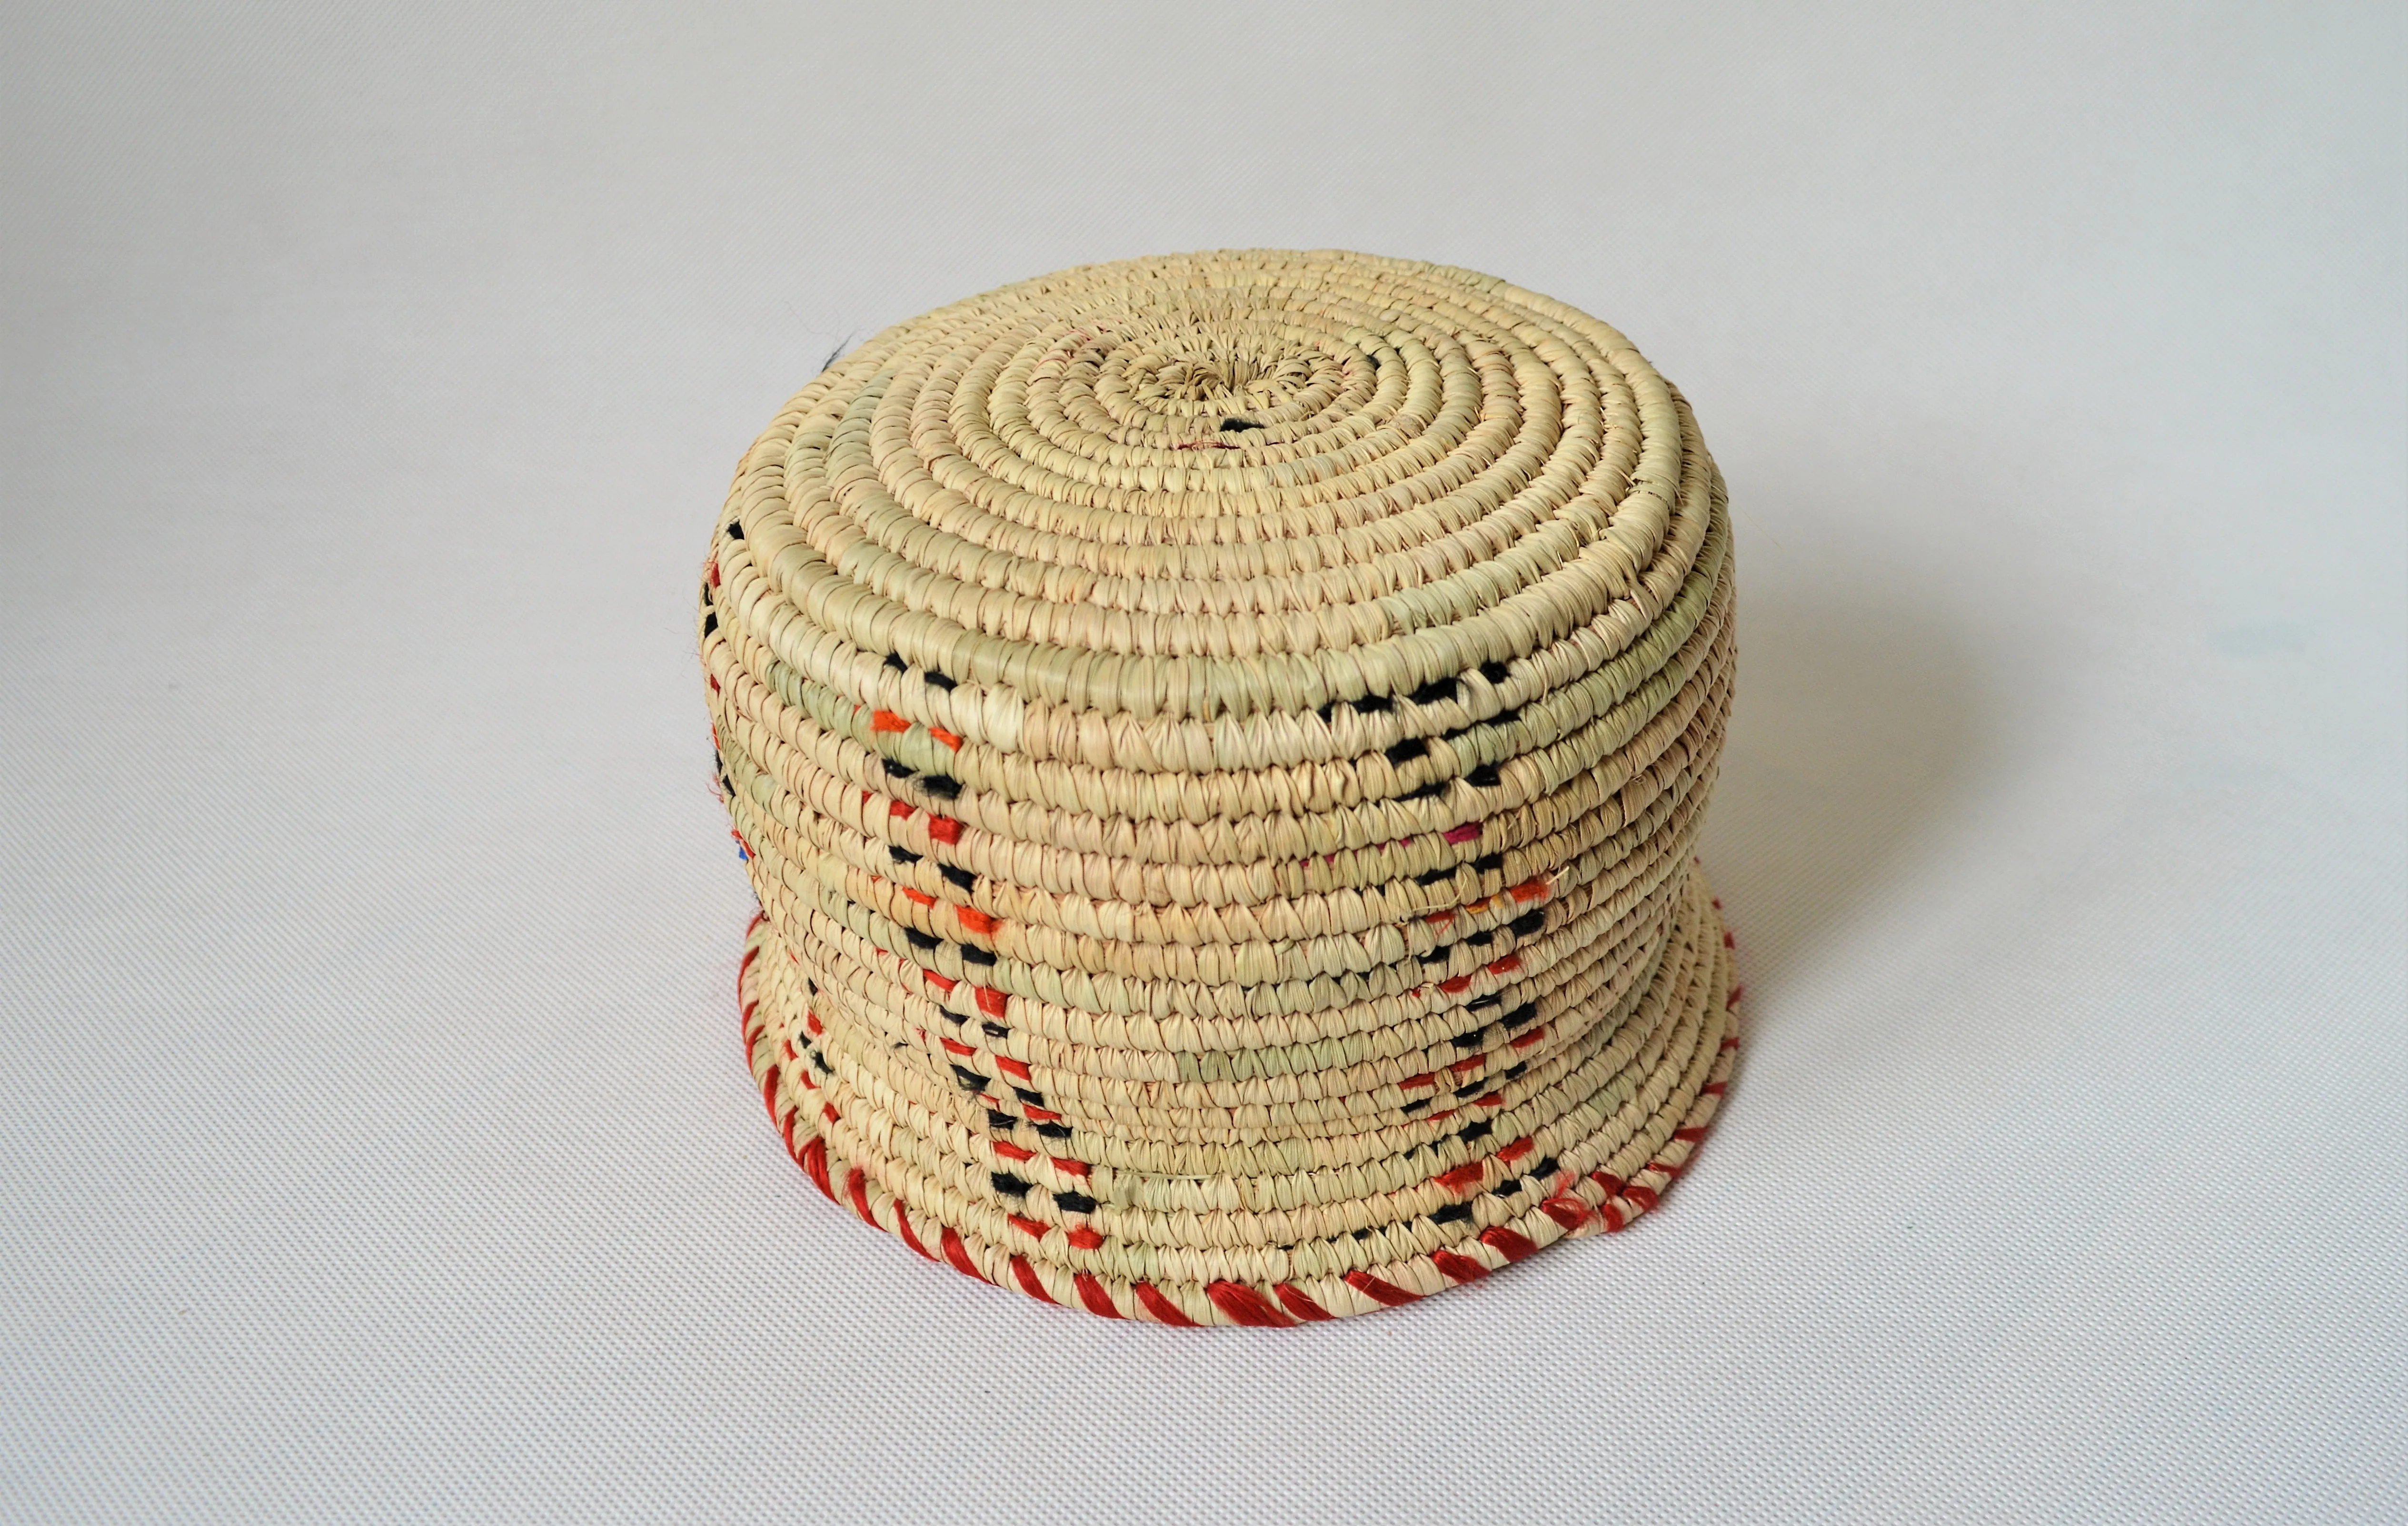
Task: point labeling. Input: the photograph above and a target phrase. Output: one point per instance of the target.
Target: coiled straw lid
(1219, 742)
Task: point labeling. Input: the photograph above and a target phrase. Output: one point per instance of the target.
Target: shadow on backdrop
(1859, 727)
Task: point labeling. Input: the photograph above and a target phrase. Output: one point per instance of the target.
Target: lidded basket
(1219, 742)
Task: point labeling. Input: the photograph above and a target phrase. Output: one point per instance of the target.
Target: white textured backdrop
(374, 1139)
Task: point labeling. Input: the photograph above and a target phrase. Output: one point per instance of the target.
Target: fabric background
(376, 1143)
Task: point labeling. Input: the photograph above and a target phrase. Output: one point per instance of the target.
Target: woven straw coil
(1219, 742)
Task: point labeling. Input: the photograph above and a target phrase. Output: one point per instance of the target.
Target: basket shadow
(1860, 724)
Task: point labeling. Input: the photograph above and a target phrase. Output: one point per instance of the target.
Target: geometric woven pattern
(1219, 742)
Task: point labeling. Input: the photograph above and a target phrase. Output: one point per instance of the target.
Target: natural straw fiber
(1219, 743)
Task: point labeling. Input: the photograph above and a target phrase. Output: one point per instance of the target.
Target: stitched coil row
(1219, 743)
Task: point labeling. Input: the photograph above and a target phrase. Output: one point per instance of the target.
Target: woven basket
(1219, 742)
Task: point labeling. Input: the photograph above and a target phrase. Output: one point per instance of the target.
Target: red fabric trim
(1566, 1210)
(1459, 1268)
(1163, 1309)
(959, 1255)
(1027, 1275)
(1378, 1292)
(1091, 1292)
(1506, 1243)
(1245, 1306)
(814, 1158)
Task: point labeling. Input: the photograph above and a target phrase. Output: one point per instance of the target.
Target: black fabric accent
(1427, 791)
(956, 1018)
(1528, 923)
(1488, 864)
(1000, 1122)
(1475, 1134)
(971, 1080)
(1008, 1184)
(973, 955)
(1545, 1167)
(1034, 1099)
(1238, 426)
(993, 1029)
(1469, 1040)
(1526, 1012)
(1452, 1213)
(824, 1069)
(1472, 1090)
(710, 622)
(1327, 712)
(1434, 876)
(1484, 776)
(1074, 1202)
(1375, 704)
(935, 679)
(961, 879)
(1506, 716)
(1416, 1106)
(895, 663)
(917, 939)
(1052, 1131)
(1504, 1076)
(1439, 956)
(1495, 672)
(1434, 691)
(736, 529)
(895, 770)
(902, 855)
(1407, 749)
(1482, 939)
(1362, 1234)
(943, 786)
(1484, 1003)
